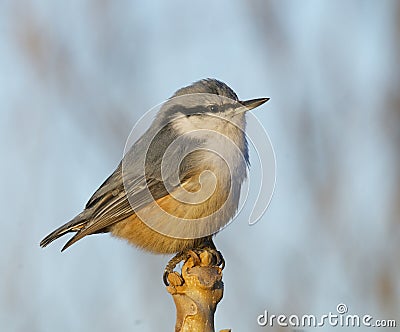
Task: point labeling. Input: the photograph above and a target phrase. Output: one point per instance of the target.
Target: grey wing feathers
(101, 197)
(107, 206)
(110, 204)
(114, 211)
(73, 226)
(113, 182)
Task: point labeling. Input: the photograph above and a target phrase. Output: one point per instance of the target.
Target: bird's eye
(213, 108)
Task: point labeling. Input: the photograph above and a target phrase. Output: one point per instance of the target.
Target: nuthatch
(180, 182)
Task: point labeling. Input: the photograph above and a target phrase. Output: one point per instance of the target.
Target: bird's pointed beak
(253, 103)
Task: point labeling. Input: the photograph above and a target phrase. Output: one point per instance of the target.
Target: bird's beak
(253, 103)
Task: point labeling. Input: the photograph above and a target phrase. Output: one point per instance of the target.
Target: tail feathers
(74, 225)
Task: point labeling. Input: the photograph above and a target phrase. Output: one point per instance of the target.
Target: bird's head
(207, 104)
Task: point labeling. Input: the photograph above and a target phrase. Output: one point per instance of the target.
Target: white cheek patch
(182, 124)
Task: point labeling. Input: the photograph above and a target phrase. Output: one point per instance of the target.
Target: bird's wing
(107, 187)
(113, 205)
(137, 181)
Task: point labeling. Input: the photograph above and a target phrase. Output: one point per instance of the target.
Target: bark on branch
(196, 293)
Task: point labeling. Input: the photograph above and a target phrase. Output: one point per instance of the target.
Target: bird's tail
(74, 225)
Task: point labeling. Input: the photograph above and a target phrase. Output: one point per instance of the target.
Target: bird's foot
(216, 260)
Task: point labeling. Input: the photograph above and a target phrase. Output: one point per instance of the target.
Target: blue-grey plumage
(148, 181)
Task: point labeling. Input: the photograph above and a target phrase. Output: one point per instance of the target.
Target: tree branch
(196, 293)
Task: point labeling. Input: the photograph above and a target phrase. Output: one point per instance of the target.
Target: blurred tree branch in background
(94, 74)
(327, 135)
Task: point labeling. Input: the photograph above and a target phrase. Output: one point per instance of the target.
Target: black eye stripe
(222, 108)
(214, 108)
(189, 111)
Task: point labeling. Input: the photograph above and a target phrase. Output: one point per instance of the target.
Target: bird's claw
(217, 260)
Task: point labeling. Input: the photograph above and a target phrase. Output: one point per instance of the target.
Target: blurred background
(75, 76)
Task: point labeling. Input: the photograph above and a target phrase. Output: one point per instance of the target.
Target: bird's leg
(174, 261)
(218, 259)
(209, 246)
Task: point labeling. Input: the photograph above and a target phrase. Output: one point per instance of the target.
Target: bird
(179, 184)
